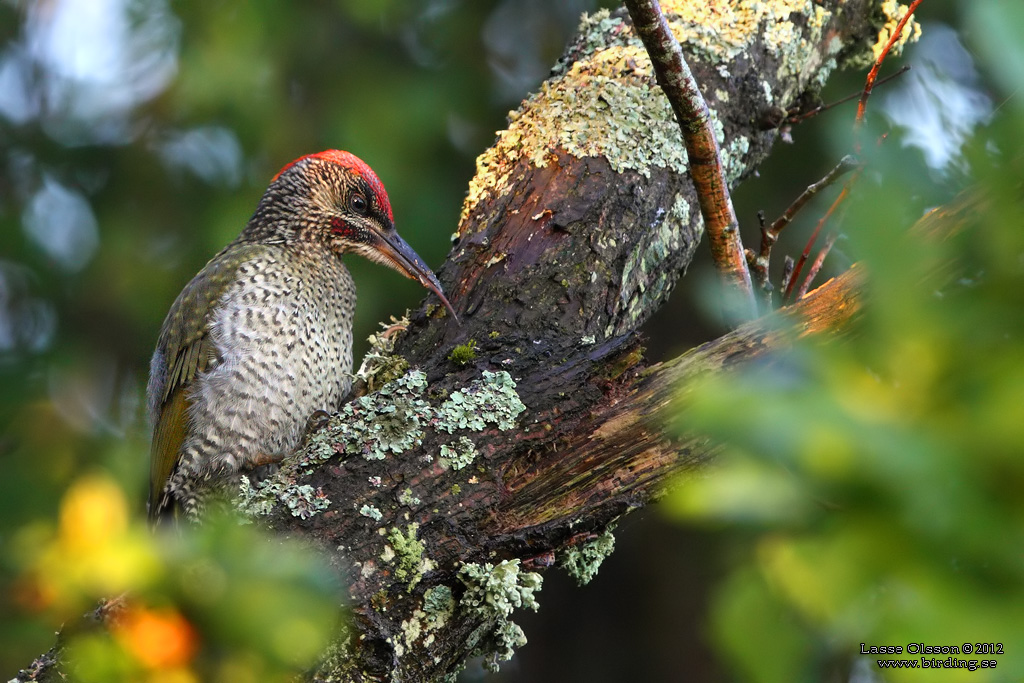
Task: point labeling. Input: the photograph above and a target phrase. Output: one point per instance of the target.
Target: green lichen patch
(371, 512)
(644, 282)
(582, 562)
(389, 420)
(408, 499)
(457, 455)
(438, 607)
(463, 354)
(408, 558)
(493, 592)
(439, 604)
(303, 500)
(489, 400)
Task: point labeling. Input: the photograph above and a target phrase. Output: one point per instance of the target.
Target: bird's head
(334, 198)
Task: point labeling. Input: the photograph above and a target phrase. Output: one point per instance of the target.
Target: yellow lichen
(603, 100)
(894, 13)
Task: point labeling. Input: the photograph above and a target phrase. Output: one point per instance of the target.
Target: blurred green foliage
(874, 480)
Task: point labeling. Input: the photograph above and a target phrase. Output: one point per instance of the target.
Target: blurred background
(136, 137)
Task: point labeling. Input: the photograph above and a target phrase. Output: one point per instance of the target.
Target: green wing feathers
(185, 350)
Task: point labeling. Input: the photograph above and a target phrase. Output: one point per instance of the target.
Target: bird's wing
(183, 351)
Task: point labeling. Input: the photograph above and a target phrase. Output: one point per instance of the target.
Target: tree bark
(580, 221)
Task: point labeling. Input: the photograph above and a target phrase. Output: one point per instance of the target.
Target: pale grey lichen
(459, 454)
(303, 500)
(389, 420)
(258, 500)
(489, 400)
(493, 592)
(371, 512)
(582, 562)
(412, 628)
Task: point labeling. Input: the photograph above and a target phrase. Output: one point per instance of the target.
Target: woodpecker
(261, 338)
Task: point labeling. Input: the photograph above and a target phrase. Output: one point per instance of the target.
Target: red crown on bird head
(352, 163)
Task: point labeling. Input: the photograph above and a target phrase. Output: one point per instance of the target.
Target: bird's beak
(395, 252)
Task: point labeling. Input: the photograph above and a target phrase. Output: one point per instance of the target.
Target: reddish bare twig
(873, 74)
(797, 118)
(814, 236)
(816, 266)
(845, 165)
(760, 263)
(694, 119)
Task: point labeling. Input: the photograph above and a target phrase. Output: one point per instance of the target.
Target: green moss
(408, 555)
(582, 562)
(463, 354)
(458, 455)
(493, 592)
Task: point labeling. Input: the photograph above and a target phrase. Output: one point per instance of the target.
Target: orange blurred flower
(159, 638)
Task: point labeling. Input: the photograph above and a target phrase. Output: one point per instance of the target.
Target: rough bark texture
(580, 221)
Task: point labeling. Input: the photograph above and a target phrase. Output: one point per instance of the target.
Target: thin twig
(759, 264)
(845, 165)
(873, 74)
(814, 236)
(797, 118)
(694, 118)
(816, 266)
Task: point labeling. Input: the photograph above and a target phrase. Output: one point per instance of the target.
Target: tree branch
(694, 117)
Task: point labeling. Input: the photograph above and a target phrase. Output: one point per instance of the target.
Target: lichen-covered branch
(694, 117)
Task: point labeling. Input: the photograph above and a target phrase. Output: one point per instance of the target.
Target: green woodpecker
(261, 338)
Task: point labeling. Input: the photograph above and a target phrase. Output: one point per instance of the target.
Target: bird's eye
(358, 203)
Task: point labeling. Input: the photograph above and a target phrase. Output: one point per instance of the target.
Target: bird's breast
(283, 340)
